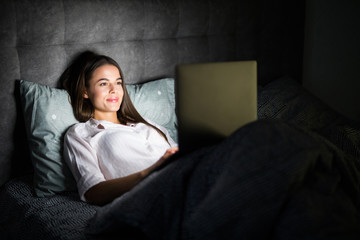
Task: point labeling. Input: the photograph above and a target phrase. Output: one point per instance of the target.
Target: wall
(332, 54)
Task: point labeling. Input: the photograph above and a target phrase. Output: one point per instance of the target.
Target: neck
(112, 117)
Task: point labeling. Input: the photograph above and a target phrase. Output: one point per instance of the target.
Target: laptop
(213, 100)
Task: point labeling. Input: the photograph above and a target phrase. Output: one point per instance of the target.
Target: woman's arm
(106, 191)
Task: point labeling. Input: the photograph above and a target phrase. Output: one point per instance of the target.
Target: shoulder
(163, 129)
(82, 130)
(76, 128)
(153, 123)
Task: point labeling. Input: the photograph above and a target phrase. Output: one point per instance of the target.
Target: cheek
(121, 92)
(100, 93)
(96, 96)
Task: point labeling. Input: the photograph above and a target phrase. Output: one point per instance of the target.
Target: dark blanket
(267, 181)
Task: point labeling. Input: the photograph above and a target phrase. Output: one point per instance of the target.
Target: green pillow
(48, 114)
(156, 101)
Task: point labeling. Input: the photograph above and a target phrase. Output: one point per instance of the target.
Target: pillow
(156, 101)
(48, 114)
(288, 100)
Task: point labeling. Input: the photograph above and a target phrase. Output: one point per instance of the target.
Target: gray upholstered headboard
(38, 38)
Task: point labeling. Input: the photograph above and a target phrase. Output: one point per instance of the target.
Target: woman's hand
(169, 152)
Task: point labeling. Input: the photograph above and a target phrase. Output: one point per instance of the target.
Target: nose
(112, 88)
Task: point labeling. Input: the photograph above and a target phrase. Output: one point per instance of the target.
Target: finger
(173, 150)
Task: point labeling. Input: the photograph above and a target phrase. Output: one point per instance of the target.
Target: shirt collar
(104, 124)
(101, 124)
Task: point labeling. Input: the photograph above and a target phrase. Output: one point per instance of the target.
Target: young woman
(112, 148)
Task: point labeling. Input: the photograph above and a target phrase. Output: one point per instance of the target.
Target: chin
(114, 109)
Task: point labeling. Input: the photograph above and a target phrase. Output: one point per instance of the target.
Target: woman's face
(105, 92)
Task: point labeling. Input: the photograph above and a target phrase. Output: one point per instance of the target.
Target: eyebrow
(105, 79)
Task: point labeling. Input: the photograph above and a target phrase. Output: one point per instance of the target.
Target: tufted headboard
(38, 38)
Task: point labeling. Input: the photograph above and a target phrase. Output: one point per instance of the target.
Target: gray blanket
(268, 180)
(23, 216)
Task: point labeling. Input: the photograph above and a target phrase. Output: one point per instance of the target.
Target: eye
(119, 82)
(102, 84)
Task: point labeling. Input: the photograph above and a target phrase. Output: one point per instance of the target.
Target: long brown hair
(75, 80)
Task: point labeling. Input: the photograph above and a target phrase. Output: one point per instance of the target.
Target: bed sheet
(25, 216)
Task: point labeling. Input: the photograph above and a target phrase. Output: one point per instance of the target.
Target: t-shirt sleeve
(82, 161)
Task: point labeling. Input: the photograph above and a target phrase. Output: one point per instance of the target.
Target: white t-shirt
(96, 151)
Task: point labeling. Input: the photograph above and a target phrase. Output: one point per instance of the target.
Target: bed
(293, 174)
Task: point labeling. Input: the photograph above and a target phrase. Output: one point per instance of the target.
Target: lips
(113, 100)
